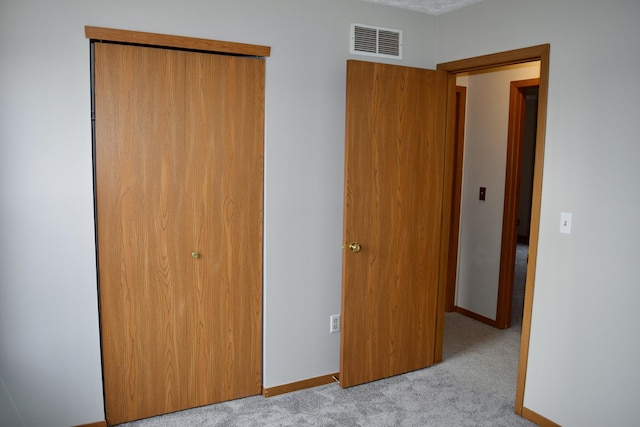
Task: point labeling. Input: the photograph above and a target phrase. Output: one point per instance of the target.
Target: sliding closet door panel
(224, 132)
(180, 287)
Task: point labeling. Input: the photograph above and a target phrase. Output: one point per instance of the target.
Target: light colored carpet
(474, 386)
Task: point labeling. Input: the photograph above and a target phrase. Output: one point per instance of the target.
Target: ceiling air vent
(376, 41)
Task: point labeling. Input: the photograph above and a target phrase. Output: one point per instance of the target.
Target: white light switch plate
(565, 222)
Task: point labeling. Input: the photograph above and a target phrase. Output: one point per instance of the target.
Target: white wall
(584, 349)
(49, 340)
(484, 165)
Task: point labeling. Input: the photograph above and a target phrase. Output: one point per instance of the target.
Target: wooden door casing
(179, 171)
(394, 184)
(460, 109)
(515, 143)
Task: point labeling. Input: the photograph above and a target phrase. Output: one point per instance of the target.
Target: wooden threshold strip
(163, 40)
(299, 385)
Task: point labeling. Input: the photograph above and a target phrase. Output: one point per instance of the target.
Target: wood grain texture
(393, 208)
(178, 159)
(225, 124)
(163, 40)
(136, 99)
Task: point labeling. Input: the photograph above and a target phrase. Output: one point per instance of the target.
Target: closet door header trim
(179, 42)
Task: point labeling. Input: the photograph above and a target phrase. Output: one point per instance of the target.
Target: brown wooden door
(179, 173)
(395, 156)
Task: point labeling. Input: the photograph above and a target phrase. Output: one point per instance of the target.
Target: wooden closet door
(178, 166)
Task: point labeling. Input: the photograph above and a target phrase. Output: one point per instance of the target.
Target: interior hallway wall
(484, 165)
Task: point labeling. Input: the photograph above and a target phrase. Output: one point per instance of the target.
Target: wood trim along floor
(269, 392)
(537, 418)
(476, 316)
(300, 385)
(96, 424)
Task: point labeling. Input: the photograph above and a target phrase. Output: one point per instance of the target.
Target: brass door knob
(355, 247)
(195, 254)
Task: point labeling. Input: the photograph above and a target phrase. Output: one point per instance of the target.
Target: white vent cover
(376, 41)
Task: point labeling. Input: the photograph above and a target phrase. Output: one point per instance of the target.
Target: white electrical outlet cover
(334, 323)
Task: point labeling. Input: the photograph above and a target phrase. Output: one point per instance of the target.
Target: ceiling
(431, 7)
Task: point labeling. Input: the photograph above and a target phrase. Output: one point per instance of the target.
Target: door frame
(534, 53)
(456, 197)
(517, 106)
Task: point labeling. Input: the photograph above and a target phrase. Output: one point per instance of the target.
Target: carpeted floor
(519, 278)
(473, 386)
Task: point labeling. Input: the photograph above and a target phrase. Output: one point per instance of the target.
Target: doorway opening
(488, 164)
(485, 63)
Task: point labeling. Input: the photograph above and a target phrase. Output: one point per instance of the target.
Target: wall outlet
(334, 323)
